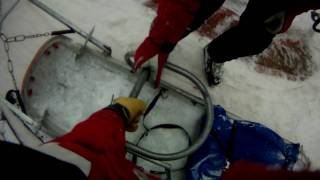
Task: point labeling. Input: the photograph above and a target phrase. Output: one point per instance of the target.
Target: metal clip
(3, 37)
(81, 50)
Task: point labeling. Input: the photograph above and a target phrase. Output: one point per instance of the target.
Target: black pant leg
(250, 36)
(20, 162)
(239, 41)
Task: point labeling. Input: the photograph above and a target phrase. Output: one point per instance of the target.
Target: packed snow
(288, 107)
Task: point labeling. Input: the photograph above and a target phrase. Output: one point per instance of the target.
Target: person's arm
(100, 139)
(167, 29)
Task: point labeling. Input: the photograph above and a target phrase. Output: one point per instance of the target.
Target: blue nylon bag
(231, 140)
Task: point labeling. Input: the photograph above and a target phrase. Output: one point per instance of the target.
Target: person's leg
(248, 38)
(240, 41)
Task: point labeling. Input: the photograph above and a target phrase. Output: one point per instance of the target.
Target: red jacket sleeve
(101, 140)
(172, 20)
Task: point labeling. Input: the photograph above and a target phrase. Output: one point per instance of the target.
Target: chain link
(22, 37)
(10, 66)
(3, 37)
(6, 40)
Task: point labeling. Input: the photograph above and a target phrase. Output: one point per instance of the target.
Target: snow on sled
(59, 90)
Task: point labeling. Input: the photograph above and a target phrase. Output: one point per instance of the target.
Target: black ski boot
(213, 70)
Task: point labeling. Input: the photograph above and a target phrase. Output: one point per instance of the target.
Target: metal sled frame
(143, 76)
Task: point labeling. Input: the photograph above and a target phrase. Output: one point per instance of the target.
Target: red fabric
(248, 170)
(173, 18)
(146, 51)
(170, 24)
(101, 140)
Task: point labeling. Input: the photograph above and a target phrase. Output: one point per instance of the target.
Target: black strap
(151, 106)
(154, 102)
(121, 111)
(166, 126)
(13, 96)
(61, 32)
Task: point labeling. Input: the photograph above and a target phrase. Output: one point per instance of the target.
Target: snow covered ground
(291, 108)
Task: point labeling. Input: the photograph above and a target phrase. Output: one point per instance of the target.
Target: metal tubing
(193, 98)
(130, 146)
(14, 117)
(159, 163)
(20, 114)
(99, 44)
(205, 132)
(143, 77)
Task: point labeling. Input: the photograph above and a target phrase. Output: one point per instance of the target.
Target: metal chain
(22, 37)
(6, 40)
(9, 61)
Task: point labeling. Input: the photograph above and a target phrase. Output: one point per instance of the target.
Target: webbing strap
(164, 126)
(153, 102)
(14, 96)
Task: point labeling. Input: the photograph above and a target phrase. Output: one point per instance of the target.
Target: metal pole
(204, 134)
(14, 117)
(7, 13)
(143, 77)
(19, 113)
(159, 163)
(106, 49)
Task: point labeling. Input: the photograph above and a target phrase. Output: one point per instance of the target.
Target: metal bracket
(106, 49)
(83, 48)
(207, 126)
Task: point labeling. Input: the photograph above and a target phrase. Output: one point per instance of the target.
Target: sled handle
(204, 134)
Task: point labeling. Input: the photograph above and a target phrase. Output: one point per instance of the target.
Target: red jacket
(101, 140)
(173, 18)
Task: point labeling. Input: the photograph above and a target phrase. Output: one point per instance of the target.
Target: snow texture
(290, 108)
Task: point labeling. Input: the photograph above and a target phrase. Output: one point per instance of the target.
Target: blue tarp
(231, 140)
